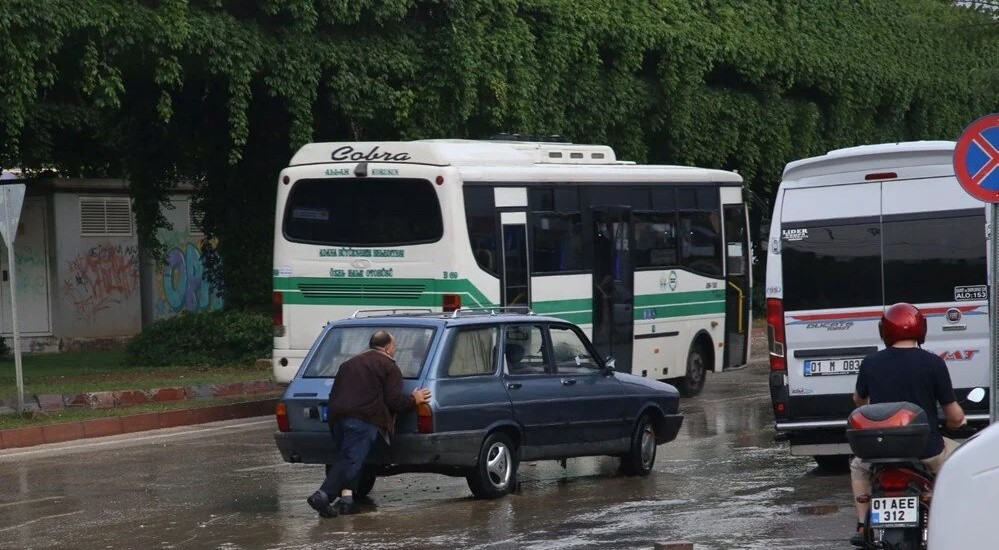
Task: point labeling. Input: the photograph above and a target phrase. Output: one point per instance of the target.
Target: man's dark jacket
(368, 387)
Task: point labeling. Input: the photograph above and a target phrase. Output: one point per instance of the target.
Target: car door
(596, 401)
(469, 394)
(536, 393)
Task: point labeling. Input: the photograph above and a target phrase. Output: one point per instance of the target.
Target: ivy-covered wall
(221, 92)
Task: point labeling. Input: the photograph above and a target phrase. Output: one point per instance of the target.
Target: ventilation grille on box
(105, 216)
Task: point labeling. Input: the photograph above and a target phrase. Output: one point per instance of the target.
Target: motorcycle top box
(888, 430)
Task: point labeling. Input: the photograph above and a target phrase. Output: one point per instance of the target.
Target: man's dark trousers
(353, 438)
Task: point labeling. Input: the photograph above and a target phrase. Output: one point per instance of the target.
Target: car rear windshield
(363, 212)
(340, 344)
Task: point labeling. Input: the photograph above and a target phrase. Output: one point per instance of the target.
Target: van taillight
(278, 301)
(281, 413)
(450, 302)
(775, 334)
(424, 419)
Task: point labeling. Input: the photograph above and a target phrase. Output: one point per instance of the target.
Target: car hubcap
(498, 465)
(648, 446)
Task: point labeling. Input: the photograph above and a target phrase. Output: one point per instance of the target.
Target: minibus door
(613, 284)
(516, 267)
(738, 283)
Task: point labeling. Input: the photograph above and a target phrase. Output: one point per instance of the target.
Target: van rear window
(832, 264)
(927, 258)
(363, 212)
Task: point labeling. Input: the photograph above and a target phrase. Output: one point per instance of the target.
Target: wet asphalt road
(723, 484)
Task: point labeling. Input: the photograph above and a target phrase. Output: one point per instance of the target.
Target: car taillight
(281, 413)
(424, 419)
(278, 301)
(775, 334)
(451, 302)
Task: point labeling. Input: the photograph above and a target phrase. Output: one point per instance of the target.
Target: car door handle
(568, 381)
(513, 386)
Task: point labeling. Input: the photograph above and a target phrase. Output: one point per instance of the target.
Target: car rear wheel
(365, 480)
(692, 382)
(495, 474)
(641, 457)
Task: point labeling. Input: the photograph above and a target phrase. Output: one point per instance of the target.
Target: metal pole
(994, 315)
(12, 269)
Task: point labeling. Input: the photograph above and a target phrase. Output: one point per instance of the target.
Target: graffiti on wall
(100, 278)
(32, 281)
(183, 286)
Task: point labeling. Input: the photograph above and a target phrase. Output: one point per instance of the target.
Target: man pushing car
(363, 402)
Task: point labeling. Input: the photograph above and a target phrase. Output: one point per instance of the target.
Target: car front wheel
(641, 457)
(495, 474)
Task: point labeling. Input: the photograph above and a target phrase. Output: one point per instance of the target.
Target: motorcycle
(889, 436)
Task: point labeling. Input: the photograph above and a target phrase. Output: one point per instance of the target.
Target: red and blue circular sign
(976, 159)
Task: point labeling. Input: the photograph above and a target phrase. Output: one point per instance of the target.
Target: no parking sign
(976, 165)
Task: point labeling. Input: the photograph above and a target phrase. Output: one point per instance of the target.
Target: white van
(853, 231)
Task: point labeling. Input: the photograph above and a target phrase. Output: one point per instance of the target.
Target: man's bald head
(380, 339)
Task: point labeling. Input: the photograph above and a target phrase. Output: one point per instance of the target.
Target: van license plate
(324, 412)
(829, 367)
(895, 512)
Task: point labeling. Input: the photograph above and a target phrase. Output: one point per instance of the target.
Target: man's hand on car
(421, 396)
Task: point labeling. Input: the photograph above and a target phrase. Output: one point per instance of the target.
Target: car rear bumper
(407, 453)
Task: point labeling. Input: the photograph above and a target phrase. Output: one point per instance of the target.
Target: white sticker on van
(968, 293)
(794, 234)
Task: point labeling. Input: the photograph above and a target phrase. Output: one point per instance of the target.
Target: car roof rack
(522, 310)
(393, 311)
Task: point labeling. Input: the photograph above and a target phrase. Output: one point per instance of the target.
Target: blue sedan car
(507, 388)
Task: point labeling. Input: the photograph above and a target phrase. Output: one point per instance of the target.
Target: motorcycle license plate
(832, 367)
(895, 512)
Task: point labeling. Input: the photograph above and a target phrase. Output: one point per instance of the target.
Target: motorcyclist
(904, 372)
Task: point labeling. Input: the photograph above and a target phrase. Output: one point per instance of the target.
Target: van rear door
(934, 247)
(831, 267)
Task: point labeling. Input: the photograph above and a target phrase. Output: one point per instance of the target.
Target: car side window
(572, 356)
(474, 352)
(524, 350)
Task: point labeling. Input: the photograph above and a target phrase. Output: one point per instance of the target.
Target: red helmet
(902, 321)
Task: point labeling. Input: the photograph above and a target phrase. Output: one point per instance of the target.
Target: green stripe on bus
(680, 310)
(583, 318)
(551, 306)
(367, 291)
(670, 298)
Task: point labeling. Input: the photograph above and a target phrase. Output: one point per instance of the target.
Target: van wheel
(692, 383)
(495, 473)
(641, 456)
(833, 463)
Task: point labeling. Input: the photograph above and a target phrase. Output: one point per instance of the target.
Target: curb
(49, 402)
(30, 436)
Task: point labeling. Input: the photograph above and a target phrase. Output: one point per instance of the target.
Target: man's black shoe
(347, 508)
(321, 503)
(858, 540)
